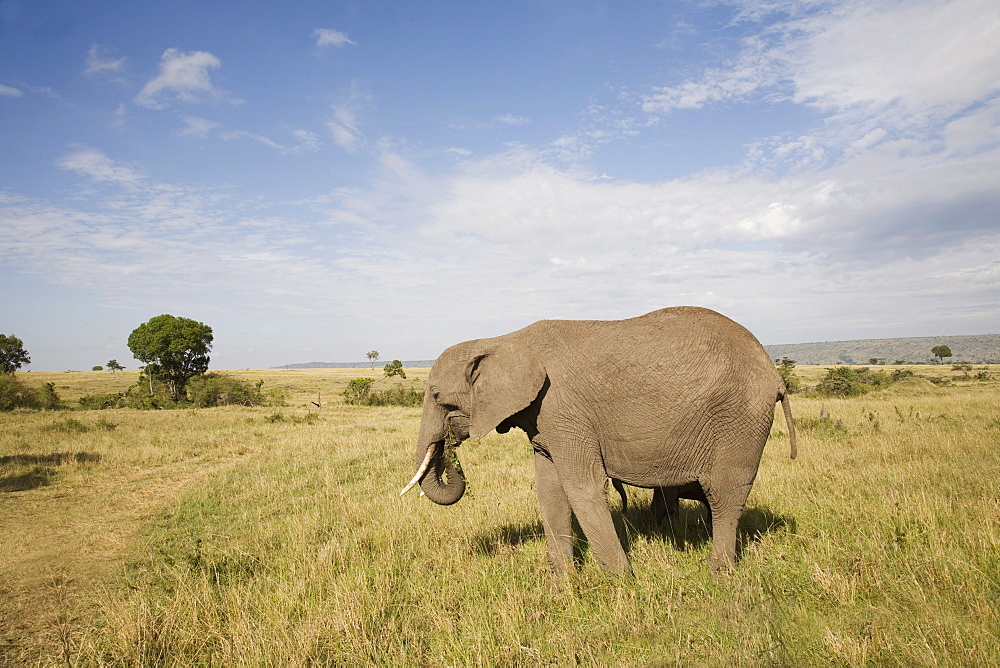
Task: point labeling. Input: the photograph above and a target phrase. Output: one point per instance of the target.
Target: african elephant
(665, 499)
(677, 396)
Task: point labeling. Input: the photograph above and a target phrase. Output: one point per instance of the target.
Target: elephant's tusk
(420, 472)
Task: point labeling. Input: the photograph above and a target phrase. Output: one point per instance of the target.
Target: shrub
(68, 426)
(395, 368)
(216, 389)
(792, 382)
(96, 402)
(15, 394)
(843, 381)
(396, 396)
(359, 392)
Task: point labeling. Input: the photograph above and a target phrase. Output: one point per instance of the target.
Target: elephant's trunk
(443, 483)
(438, 470)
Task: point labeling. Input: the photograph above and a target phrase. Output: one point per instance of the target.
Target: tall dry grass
(240, 536)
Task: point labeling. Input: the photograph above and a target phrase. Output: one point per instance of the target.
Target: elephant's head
(472, 388)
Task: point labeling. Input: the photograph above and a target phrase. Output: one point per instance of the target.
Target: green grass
(231, 536)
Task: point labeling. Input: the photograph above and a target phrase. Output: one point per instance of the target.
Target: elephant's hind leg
(726, 506)
(557, 517)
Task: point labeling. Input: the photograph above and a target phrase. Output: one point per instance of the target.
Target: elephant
(676, 397)
(665, 500)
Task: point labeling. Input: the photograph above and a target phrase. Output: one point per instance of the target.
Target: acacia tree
(174, 349)
(373, 357)
(12, 354)
(395, 368)
(113, 366)
(941, 352)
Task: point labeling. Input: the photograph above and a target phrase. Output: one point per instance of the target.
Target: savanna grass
(224, 536)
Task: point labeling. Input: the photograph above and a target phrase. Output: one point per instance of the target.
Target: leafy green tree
(941, 352)
(372, 357)
(113, 366)
(792, 382)
(97, 368)
(12, 354)
(395, 368)
(174, 349)
(358, 390)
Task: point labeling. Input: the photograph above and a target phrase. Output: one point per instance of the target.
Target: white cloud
(99, 167)
(306, 141)
(513, 120)
(183, 77)
(100, 63)
(326, 37)
(8, 91)
(198, 127)
(900, 58)
(345, 124)
(920, 55)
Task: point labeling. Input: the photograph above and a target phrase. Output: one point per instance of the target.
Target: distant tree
(373, 357)
(174, 349)
(792, 382)
(941, 352)
(97, 368)
(394, 369)
(900, 362)
(12, 354)
(876, 360)
(113, 366)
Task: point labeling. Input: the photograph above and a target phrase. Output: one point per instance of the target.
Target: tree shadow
(41, 469)
(52, 459)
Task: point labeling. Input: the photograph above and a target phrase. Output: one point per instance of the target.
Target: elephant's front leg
(557, 517)
(584, 483)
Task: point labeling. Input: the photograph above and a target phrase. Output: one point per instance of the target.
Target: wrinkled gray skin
(677, 396)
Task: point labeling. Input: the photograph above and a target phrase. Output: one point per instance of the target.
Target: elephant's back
(674, 375)
(683, 339)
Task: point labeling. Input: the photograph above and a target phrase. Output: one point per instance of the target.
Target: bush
(15, 394)
(844, 381)
(216, 389)
(359, 393)
(792, 382)
(211, 389)
(96, 402)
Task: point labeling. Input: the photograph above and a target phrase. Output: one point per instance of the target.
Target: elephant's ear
(504, 381)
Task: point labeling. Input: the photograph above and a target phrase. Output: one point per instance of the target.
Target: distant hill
(410, 364)
(977, 349)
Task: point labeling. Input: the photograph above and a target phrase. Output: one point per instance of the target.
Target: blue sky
(319, 179)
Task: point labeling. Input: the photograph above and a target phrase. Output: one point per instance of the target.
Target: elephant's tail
(787, 410)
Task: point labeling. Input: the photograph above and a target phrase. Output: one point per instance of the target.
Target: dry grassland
(276, 536)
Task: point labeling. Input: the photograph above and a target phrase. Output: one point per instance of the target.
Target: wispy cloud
(347, 118)
(183, 77)
(99, 62)
(329, 38)
(99, 167)
(9, 91)
(194, 126)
